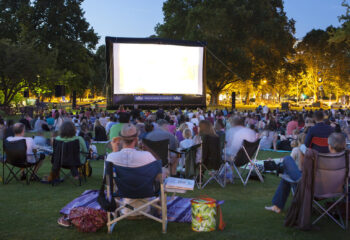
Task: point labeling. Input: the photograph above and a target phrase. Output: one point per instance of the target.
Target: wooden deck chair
(331, 182)
(137, 184)
(246, 158)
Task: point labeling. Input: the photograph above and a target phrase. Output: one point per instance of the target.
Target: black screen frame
(115, 100)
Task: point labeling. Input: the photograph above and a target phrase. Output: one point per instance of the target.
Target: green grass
(31, 212)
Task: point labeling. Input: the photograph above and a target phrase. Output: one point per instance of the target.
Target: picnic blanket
(179, 208)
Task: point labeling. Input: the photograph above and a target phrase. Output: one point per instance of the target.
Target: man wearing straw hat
(128, 156)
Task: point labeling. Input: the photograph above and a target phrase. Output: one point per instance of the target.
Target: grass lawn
(31, 212)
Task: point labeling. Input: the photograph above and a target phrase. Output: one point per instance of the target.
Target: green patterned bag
(203, 214)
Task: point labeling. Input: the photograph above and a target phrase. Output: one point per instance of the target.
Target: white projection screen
(143, 68)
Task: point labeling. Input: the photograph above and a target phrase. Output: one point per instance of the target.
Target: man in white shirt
(236, 135)
(128, 156)
(19, 131)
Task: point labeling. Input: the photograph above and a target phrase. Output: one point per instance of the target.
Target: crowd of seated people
(185, 127)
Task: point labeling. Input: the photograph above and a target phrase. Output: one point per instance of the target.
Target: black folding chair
(66, 155)
(211, 160)
(16, 160)
(246, 158)
(331, 181)
(159, 149)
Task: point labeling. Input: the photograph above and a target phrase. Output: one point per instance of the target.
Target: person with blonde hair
(178, 133)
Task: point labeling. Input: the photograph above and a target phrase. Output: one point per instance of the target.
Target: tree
(99, 78)
(342, 34)
(20, 66)
(60, 27)
(251, 38)
(327, 64)
(13, 14)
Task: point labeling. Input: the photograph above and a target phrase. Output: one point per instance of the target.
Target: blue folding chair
(137, 184)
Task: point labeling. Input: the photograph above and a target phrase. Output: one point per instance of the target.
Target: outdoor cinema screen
(143, 68)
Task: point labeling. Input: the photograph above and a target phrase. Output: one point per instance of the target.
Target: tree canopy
(251, 38)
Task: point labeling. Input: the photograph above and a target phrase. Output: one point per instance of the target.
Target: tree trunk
(214, 98)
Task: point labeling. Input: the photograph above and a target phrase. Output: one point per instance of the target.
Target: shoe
(273, 209)
(64, 222)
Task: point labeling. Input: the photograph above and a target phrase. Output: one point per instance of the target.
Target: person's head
(272, 126)
(336, 142)
(319, 116)
(187, 133)
(219, 125)
(84, 127)
(124, 117)
(162, 123)
(301, 138)
(19, 129)
(237, 121)
(129, 135)
(149, 126)
(182, 127)
(67, 130)
(57, 115)
(206, 128)
(97, 123)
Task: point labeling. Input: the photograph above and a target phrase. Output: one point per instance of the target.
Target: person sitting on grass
(19, 132)
(293, 170)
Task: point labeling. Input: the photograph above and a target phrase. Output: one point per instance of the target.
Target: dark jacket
(299, 213)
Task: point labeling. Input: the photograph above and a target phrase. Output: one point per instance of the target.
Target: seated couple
(125, 154)
(293, 171)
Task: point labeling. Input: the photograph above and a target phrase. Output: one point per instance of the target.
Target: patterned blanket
(179, 209)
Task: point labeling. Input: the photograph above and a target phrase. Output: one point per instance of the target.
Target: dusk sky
(137, 18)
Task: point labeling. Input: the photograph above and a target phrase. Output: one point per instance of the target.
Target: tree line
(44, 43)
(251, 48)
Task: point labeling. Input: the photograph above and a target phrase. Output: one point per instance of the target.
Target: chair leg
(164, 209)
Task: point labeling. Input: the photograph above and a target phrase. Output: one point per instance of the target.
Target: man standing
(317, 136)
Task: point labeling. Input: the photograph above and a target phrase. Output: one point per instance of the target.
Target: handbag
(108, 205)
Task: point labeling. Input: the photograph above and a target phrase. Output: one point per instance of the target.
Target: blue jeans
(291, 169)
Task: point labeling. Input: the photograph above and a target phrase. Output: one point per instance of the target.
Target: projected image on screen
(157, 69)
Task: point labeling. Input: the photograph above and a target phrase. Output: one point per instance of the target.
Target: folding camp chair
(191, 166)
(159, 149)
(331, 182)
(211, 160)
(136, 184)
(66, 155)
(16, 160)
(246, 158)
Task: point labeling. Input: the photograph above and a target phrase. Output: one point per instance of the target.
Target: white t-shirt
(235, 137)
(186, 143)
(129, 157)
(30, 147)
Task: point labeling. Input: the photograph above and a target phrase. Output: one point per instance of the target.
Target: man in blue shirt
(317, 136)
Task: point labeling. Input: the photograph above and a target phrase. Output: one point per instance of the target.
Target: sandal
(273, 209)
